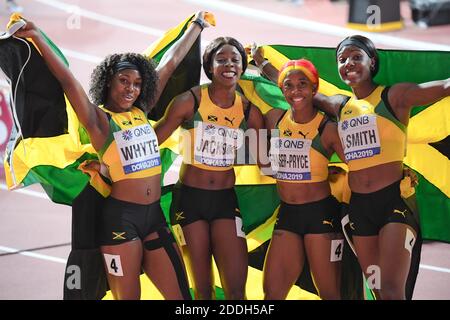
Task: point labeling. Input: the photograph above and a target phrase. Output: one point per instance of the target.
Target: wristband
(200, 23)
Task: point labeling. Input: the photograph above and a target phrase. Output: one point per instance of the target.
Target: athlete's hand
(29, 30)
(407, 172)
(205, 19)
(257, 53)
(92, 165)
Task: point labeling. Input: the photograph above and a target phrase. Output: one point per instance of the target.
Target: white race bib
(216, 145)
(113, 264)
(337, 247)
(138, 148)
(359, 137)
(290, 158)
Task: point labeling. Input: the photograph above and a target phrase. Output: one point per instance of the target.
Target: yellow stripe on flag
(276, 58)
(166, 39)
(262, 233)
(431, 124)
(251, 94)
(172, 34)
(250, 174)
(431, 164)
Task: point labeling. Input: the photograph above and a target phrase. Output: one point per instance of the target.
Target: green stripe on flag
(434, 211)
(61, 185)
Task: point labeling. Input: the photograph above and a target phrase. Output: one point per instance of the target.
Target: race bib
(114, 264)
(290, 158)
(216, 145)
(138, 148)
(359, 137)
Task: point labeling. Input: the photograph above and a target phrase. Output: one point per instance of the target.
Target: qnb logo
(127, 135)
(142, 131)
(355, 122)
(210, 129)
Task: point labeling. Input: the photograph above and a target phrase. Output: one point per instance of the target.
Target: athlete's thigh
(198, 257)
(367, 251)
(123, 267)
(396, 241)
(198, 247)
(229, 247)
(164, 265)
(284, 259)
(324, 252)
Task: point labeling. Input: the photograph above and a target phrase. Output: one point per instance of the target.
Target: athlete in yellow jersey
(134, 233)
(214, 117)
(372, 128)
(308, 223)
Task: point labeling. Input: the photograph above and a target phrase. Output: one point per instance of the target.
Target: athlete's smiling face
(298, 89)
(124, 89)
(354, 65)
(227, 65)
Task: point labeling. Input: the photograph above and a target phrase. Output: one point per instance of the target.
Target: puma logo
(328, 222)
(230, 121)
(304, 135)
(138, 118)
(400, 212)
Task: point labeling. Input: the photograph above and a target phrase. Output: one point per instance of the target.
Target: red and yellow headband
(302, 65)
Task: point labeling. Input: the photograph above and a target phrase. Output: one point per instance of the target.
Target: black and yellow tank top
(131, 150)
(214, 134)
(370, 132)
(296, 152)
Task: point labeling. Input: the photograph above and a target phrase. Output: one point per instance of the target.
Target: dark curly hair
(214, 46)
(103, 74)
